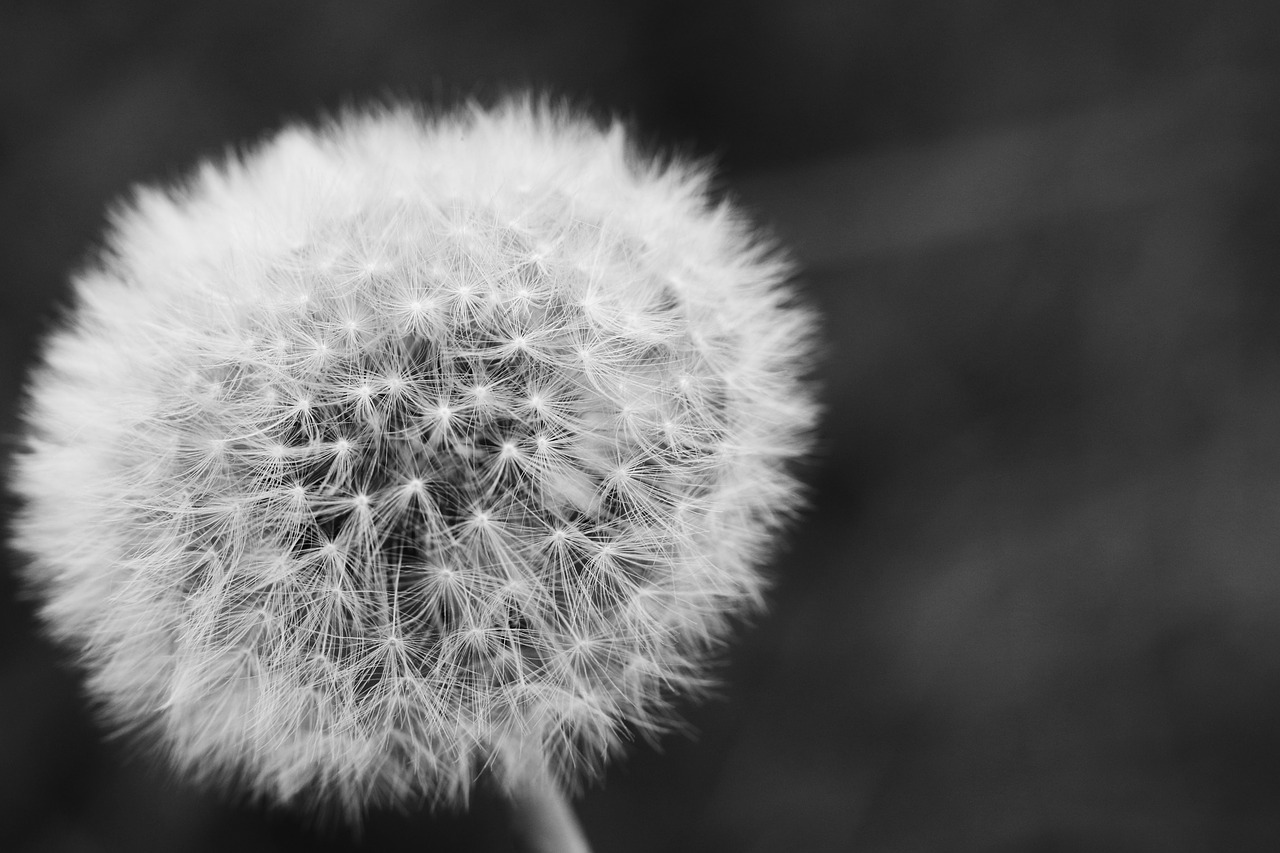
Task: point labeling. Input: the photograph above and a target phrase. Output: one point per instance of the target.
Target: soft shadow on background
(1036, 604)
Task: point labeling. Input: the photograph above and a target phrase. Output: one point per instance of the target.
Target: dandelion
(409, 447)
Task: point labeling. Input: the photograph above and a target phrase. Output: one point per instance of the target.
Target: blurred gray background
(1036, 604)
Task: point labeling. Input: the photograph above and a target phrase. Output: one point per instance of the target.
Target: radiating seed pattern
(390, 457)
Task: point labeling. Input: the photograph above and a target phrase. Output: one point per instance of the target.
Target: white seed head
(408, 446)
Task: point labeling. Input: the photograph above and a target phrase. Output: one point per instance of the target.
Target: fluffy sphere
(406, 446)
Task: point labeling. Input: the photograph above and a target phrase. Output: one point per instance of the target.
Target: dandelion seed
(422, 481)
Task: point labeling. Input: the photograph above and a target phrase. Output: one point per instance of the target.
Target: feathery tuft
(405, 446)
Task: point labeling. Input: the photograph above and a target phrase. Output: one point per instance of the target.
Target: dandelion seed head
(405, 446)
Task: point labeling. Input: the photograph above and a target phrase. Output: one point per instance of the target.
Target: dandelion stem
(543, 819)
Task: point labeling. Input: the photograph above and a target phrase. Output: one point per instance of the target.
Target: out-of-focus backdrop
(1036, 603)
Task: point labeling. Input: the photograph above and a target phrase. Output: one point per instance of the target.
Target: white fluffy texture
(407, 446)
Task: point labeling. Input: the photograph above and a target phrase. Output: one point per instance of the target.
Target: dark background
(1035, 606)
